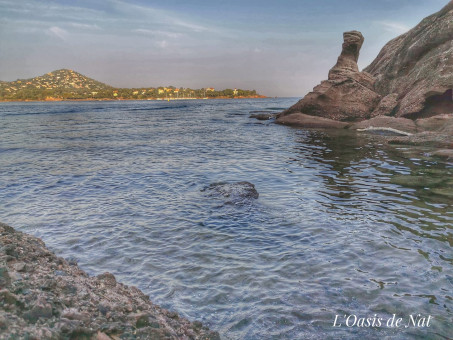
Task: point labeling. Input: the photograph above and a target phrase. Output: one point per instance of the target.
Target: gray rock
(263, 116)
(234, 192)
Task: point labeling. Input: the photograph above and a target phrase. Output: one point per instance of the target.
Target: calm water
(343, 225)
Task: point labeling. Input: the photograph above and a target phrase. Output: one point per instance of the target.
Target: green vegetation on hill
(70, 85)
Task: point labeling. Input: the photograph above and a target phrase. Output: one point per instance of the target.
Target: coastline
(122, 99)
(45, 296)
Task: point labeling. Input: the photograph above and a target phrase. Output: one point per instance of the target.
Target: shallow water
(343, 224)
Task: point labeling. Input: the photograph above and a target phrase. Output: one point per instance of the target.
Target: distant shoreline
(121, 99)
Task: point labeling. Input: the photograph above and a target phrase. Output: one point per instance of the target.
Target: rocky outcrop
(43, 296)
(412, 77)
(347, 95)
(418, 66)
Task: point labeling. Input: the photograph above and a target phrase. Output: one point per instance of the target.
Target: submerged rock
(263, 116)
(435, 123)
(235, 192)
(402, 125)
(43, 305)
(444, 153)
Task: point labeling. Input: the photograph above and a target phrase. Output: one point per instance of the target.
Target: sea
(346, 229)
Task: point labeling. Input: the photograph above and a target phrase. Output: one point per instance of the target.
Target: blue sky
(279, 48)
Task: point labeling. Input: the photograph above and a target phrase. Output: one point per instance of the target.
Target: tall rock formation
(417, 67)
(348, 94)
(412, 77)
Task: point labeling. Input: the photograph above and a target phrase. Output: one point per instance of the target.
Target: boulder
(348, 94)
(418, 66)
(306, 121)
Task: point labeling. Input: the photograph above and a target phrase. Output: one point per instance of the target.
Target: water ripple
(343, 224)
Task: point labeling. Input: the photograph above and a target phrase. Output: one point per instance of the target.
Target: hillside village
(70, 85)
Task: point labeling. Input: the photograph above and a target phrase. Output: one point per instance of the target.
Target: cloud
(58, 32)
(394, 27)
(85, 26)
(147, 14)
(158, 33)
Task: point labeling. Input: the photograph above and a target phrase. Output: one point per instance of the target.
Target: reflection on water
(343, 224)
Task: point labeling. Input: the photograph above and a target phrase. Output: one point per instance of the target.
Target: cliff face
(411, 77)
(418, 67)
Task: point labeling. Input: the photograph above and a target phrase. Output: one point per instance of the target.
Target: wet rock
(235, 192)
(403, 125)
(263, 116)
(427, 138)
(444, 153)
(435, 123)
(417, 181)
(446, 192)
(306, 121)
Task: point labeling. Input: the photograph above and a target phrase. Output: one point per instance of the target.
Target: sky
(279, 48)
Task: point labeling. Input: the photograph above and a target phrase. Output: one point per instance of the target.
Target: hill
(70, 85)
(66, 84)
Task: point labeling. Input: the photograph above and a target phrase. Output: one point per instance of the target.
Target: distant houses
(69, 85)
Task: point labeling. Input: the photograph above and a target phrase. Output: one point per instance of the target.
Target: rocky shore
(43, 296)
(406, 90)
